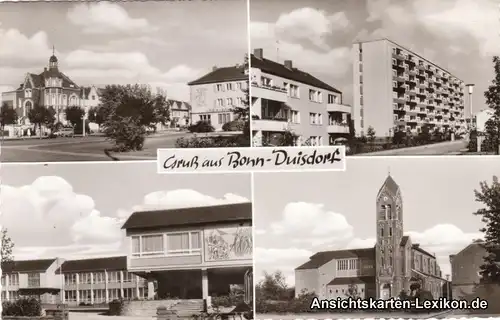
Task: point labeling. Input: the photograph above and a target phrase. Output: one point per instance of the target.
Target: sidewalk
(440, 148)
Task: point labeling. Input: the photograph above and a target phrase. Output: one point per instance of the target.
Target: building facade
(192, 253)
(397, 89)
(466, 267)
(50, 88)
(284, 98)
(214, 96)
(180, 113)
(383, 271)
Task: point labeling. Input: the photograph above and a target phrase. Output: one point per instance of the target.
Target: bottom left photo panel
(120, 239)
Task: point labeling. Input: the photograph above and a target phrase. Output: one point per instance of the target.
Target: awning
(38, 291)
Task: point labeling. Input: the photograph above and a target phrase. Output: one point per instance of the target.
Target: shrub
(201, 126)
(231, 300)
(235, 125)
(24, 307)
(116, 307)
(127, 135)
(211, 142)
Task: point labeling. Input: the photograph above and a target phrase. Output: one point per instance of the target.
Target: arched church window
(390, 231)
(389, 211)
(382, 231)
(383, 212)
(28, 106)
(390, 261)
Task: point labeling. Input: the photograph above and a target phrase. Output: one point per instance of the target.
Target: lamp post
(470, 88)
(448, 293)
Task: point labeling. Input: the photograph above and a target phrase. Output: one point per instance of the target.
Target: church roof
(39, 79)
(404, 240)
(321, 258)
(352, 280)
(53, 58)
(389, 185)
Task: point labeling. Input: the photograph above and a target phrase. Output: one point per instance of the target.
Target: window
(206, 118)
(360, 67)
(152, 245)
(230, 86)
(332, 98)
(136, 246)
(229, 102)
(99, 277)
(70, 278)
(224, 118)
(239, 101)
(220, 102)
(219, 87)
(3, 280)
(70, 295)
(239, 85)
(294, 91)
(320, 141)
(27, 93)
(113, 277)
(84, 295)
(315, 118)
(382, 232)
(33, 280)
(315, 96)
(342, 264)
(266, 82)
(183, 243)
(99, 295)
(295, 116)
(114, 294)
(390, 231)
(93, 97)
(360, 79)
(128, 277)
(84, 278)
(390, 261)
(361, 100)
(353, 264)
(128, 293)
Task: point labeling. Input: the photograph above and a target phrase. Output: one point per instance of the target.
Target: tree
(40, 115)
(7, 246)
(492, 95)
(353, 291)
(74, 115)
(273, 287)
(97, 115)
(489, 196)
(7, 116)
(128, 110)
(371, 134)
(242, 111)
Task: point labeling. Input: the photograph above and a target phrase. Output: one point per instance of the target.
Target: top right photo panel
(381, 77)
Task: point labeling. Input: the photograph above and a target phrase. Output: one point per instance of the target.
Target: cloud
(320, 226)
(17, 49)
(107, 18)
(54, 214)
(285, 260)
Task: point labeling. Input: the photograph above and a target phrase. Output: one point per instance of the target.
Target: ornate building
(381, 272)
(50, 88)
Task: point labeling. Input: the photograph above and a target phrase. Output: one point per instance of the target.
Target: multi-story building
(180, 113)
(284, 98)
(215, 95)
(192, 253)
(50, 88)
(382, 271)
(397, 89)
(466, 267)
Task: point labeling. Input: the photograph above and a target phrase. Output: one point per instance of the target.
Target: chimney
(288, 64)
(258, 53)
(45, 69)
(214, 68)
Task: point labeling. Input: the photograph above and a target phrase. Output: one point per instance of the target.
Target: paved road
(350, 315)
(79, 149)
(443, 148)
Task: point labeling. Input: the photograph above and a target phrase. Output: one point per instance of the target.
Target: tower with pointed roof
(53, 62)
(389, 235)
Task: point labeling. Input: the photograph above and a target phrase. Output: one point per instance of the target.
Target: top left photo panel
(107, 81)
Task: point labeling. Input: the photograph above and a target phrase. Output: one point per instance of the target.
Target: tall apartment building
(397, 89)
(284, 98)
(216, 94)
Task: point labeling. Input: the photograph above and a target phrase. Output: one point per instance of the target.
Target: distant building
(214, 96)
(50, 88)
(466, 267)
(397, 89)
(285, 98)
(382, 271)
(480, 119)
(180, 113)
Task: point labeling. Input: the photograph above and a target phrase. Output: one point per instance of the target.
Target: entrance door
(385, 291)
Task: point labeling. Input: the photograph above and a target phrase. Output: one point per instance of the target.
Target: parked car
(65, 132)
(342, 142)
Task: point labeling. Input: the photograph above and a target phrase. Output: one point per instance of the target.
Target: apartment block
(284, 98)
(397, 89)
(215, 95)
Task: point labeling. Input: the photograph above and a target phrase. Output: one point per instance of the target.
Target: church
(381, 272)
(50, 88)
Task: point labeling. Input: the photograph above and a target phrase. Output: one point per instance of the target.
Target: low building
(215, 95)
(480, 119)
(383, 271)
(180, 114)
(192, 253)
(287, 99)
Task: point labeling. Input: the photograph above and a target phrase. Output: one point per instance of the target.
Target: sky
(76, 210)
(162, 43)
(317, 35)
(299, 214)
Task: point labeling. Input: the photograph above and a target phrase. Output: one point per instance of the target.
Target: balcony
(272, 93)
(164, 261)
(335, 107)
(273, 125)
(338, 128)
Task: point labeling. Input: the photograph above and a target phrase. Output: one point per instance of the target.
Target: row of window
(230, 86)
(99, 295)
(293, 91)
(99, 277)
(222, 118)
(228, 102)
(388, 213)
(13, 279)
(170, 244)
(315, 118)
(13, 295)
(347, 264)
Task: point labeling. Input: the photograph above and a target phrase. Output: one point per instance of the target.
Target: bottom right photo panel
(387, 238)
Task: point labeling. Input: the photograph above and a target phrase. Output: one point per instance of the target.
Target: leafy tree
(7, 246)
(492, 95)
(7, 116)
(75, 114)
(371, 134)
(273, 287)
(97, 115)
(353, 291)
(425, 133)
(398, 137)
(242, 111)
(128, 111)
(489, 196)
(285, 139)
(40, 115)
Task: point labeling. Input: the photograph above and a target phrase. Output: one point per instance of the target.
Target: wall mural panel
(224, 244)
(201, 97)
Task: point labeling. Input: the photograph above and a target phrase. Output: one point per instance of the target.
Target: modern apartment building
(284, 98)
(397, 89)
(216, 94)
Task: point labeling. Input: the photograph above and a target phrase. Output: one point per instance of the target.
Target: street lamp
(470, 88)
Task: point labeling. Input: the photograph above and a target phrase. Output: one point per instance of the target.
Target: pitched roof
(321, 258)
(176, 104)
(278, 69)
(96, 264)
(352, 280)
(404, 240)
(389, 185)
(417, 247)
(39, 79)
(234, 73)
(238, 212)
(24, 266)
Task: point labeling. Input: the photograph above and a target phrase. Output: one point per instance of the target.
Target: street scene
(117, 240)
(122, 90)
(381, 77)
(380, 231)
